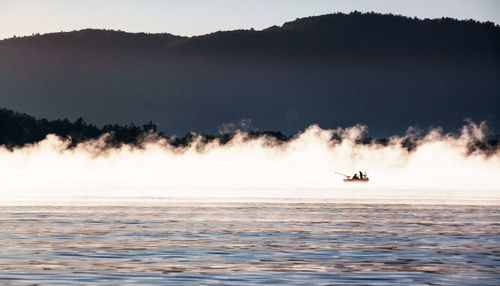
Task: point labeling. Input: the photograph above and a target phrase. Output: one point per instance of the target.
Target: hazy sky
(193, 17)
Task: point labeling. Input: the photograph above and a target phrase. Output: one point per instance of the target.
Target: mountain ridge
(388, 72)
(334, 23)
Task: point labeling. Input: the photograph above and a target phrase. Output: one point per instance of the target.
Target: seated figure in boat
(361, 177)
(357, 177)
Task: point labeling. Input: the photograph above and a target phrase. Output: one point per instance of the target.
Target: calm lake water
(250, 243)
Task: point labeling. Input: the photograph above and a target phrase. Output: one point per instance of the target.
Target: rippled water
(250, 243)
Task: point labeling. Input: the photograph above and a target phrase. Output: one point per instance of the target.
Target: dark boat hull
(357, 180)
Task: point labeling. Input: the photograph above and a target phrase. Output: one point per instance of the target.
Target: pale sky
(195, 17)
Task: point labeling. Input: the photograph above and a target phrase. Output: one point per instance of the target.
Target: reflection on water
(250, 243)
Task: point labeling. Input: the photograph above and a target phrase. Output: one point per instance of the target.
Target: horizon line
(355, 12)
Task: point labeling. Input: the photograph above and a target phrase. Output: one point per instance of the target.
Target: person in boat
(355, 177)
(360, 175)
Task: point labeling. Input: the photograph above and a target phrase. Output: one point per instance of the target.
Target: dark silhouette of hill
(355, 35)
(94, 40)
(19, 130)
(386, 71)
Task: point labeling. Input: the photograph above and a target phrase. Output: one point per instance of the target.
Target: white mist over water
(439, 170)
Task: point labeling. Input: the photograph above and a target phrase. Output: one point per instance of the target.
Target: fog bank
(438, 168)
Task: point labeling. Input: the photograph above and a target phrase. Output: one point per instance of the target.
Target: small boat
(356, 180)
(361, 178)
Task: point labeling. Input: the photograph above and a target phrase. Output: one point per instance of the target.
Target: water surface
(250, 243)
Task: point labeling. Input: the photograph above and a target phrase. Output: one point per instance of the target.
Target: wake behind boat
(356, 178)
